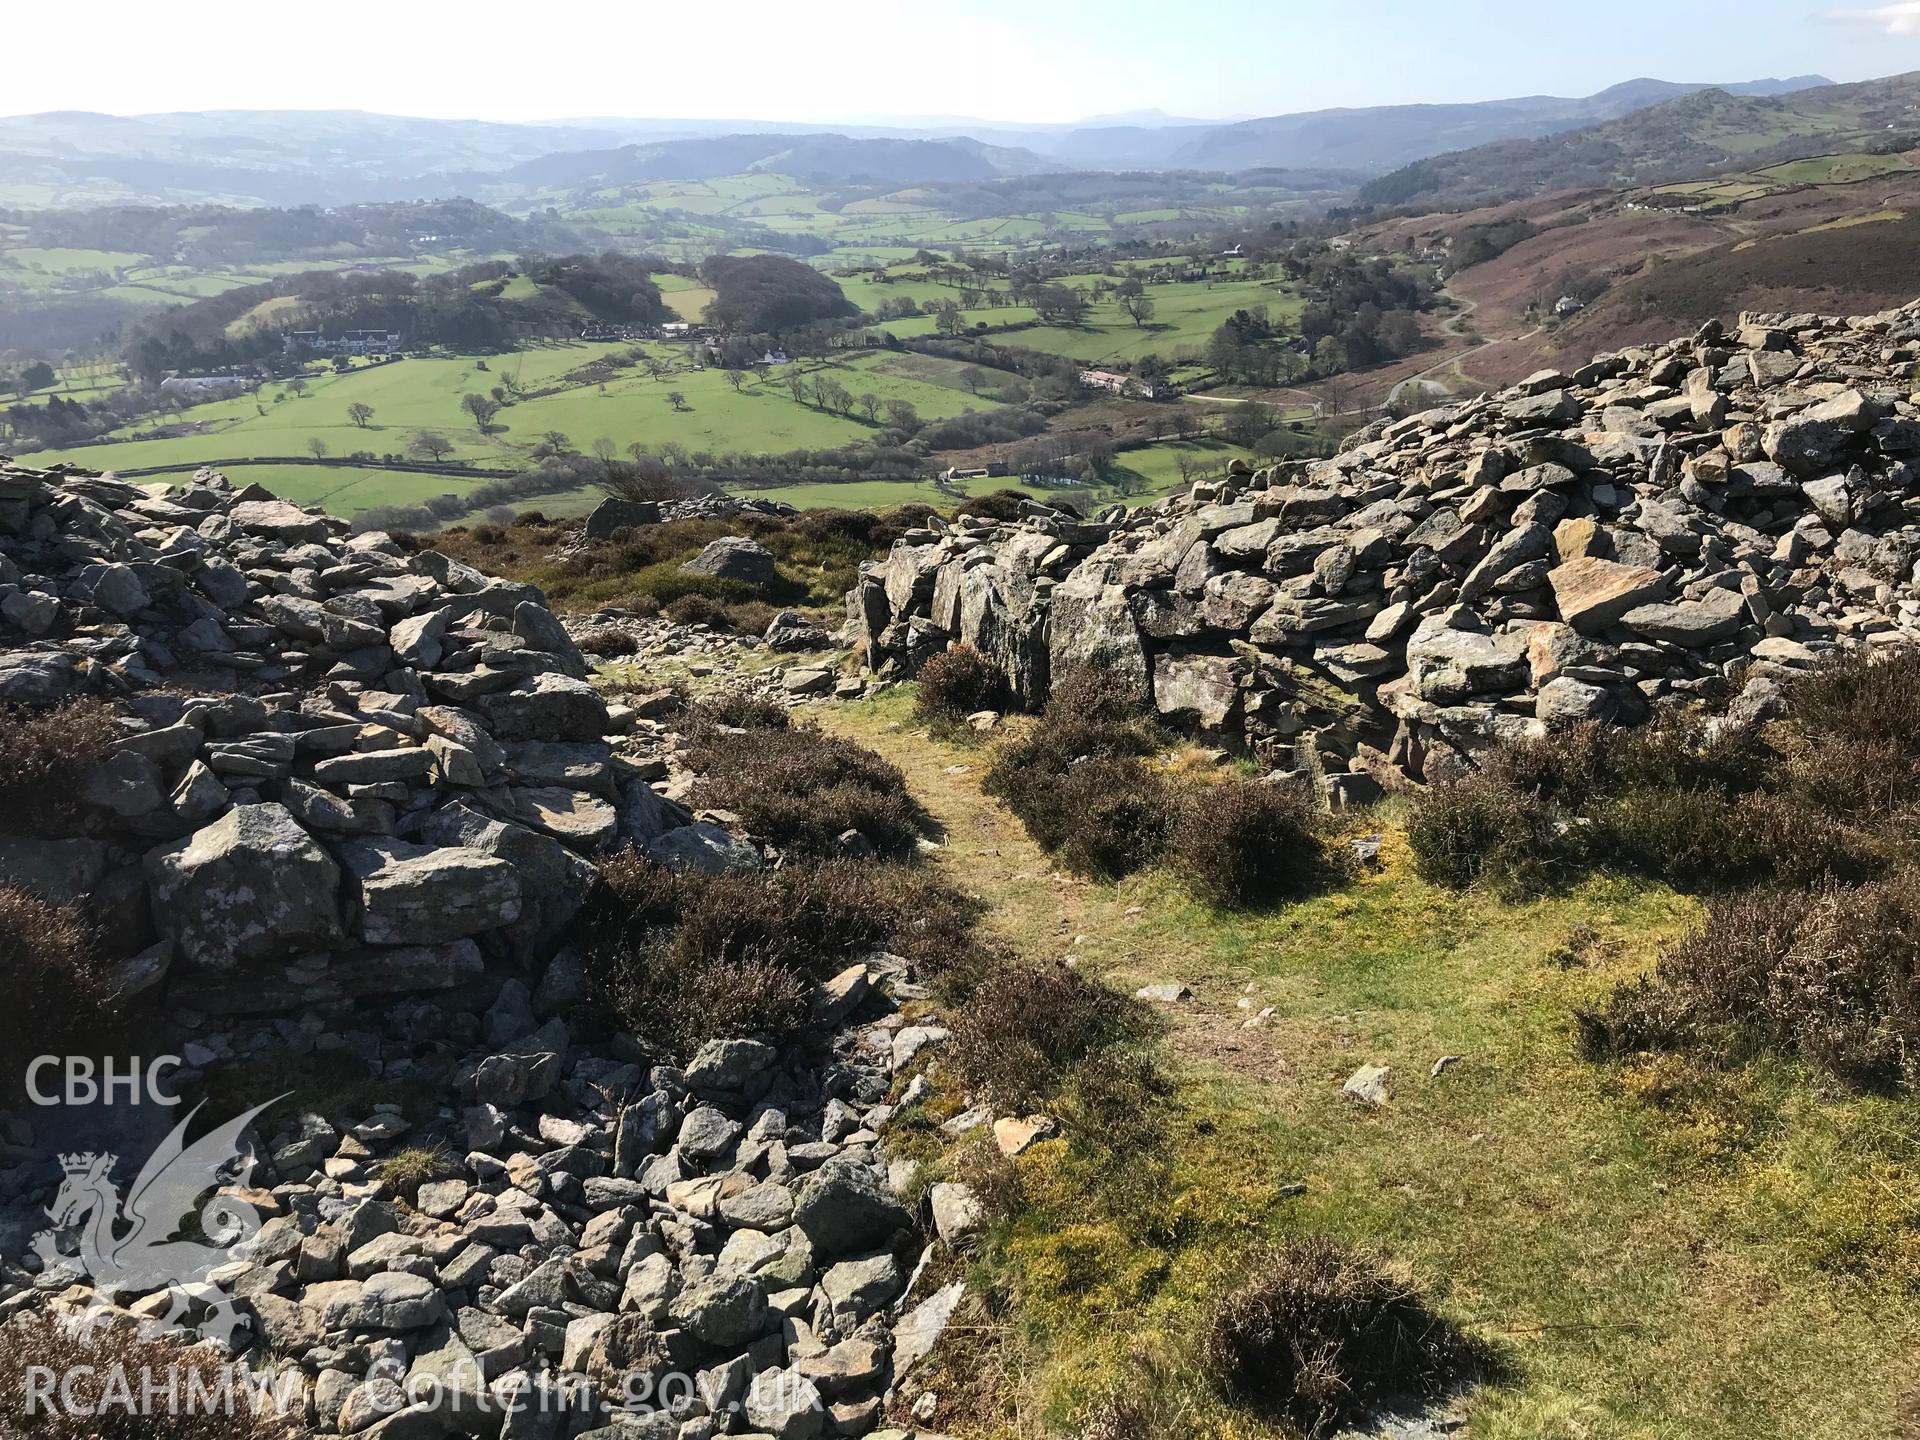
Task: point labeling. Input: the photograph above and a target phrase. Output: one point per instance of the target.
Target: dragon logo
(178, 1222)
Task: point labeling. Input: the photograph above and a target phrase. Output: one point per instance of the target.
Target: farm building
(197, 388)
(1115, 383)
(350, 342)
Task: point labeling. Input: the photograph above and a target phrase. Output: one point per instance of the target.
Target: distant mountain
(338, 157)
(1385, 136)
(254, 157)
(831, 157)
(1703, 133)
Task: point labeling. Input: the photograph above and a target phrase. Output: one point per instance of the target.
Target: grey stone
(252, 886)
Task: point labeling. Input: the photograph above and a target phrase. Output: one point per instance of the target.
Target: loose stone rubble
(347, 770)
(1662, 523)
(356, 804)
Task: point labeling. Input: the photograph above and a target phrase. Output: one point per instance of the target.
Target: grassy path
(1656, 1250)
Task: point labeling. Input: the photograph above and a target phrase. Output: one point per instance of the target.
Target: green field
(414, 395)
(1841, 168)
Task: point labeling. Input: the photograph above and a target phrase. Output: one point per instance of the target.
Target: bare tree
(429, 445)
(1138, 307)
(736, 378)
(870, 403)
(604, 450)
(317, 447)
(676, 399)
(359, 412)
(482, 407)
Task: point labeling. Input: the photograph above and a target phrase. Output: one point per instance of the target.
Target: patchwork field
(419, 395)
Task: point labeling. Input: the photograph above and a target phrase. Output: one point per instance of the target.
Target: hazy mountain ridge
(341, 157)
(833, 156)
(1381, 137)
(1699, 134)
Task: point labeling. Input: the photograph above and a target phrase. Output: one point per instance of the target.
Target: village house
(350, 342)
(1107, 380)
(197, 388)
(605, 330)
(1115, 383)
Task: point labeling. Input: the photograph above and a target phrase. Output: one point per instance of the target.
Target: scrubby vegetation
(817, 554)
(44, 757)
(679, 958)
(1247, 843)
(957, 683)
(1082, 783)
(806, 792)
(1831, 976)
(405, 1170)
(1698, 802)
(93, 1373)
(1078, 781)
(1815, 809)
(1319, 1333)
(60, 994)
(1018, 1039)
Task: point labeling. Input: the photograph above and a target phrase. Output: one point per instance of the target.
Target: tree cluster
(771, 294)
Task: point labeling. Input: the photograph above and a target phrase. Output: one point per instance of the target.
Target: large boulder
(547, 707)
(847, 1207)
(736, 558)
(427, 895)
(1593, 593)
(614, 514)
(251, 886)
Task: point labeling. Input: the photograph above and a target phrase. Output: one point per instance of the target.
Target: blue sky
(1004, 60)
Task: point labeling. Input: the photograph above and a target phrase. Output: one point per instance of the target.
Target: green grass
(1185, 317)
(1655, 1250)
(424, 394)
(1157, 467)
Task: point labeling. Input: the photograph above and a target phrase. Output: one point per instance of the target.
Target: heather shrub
(1018, 1039)
(1480, 828)
(697, 609)
(1077, 780)
(44, 757)
(1691, 800)
(1830, 975)
(60, 995)
(804, 790)
(34, 1344)
(1110, 815)
(679, 958)
(1244, 844)
(738, 708)
(957, 683)
(1319, 1333)
(608, 642)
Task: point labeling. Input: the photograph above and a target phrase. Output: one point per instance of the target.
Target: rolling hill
(1384, 136)
(824, 156)
(1699, 134)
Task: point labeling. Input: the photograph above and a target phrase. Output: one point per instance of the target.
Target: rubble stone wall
(1660, 523)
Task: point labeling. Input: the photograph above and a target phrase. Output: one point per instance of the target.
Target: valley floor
(1653, 1250)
